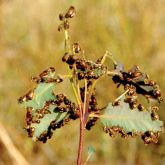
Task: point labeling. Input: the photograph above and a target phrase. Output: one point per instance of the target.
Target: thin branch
(122, 95)
(112, 73)
(67, 47)
(89, 156)
(109, 73)
(85, 98)
(113, 117)
(110, 56)
(75, 92)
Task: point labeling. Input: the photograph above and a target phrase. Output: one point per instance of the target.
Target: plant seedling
(48, 110)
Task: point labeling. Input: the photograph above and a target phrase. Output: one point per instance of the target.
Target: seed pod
(93, 100)
(51, 69)
(50, 133)
(133, 105)
(63, 109)
(22, 99)
(132, 102)
(67, 101)
(133, 70)
(40, 115)
(154, 115)
(74, 58)
(58, 80)
(60, 97)
(81, 75)
(145, 81)
(90, 73)
(91, 123)
(61, 17)
(30, 95)
(130, 73)
(60, 109)
(74, 115)
(157, 93)
(43, 74)
(76, 48)
(36, 79)
(140, 107)
(137, 74)
(154, 108)
(152, 83)
(105, 129)
(37, 121)
(82, 65)
(116, 103)
(132, 91)
(29, 116)
(129, 100)
(99, 60)
(53, 125)
(112, 133)
(160, 99)
(65, 57)
(150, 137)
(70, 13)
(71, 60)
(89, 83)
(147, 140)
(71, 67)
(46, 72)
(30, 131)
(43, 137)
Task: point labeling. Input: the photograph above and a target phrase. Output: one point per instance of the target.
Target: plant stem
(122, 95)
(67, 49)
(82, 126)
(110, 56)
(81, 140)
(82, 108)
(67, 46)
(75, 92)
(85, 99)
(84, 113)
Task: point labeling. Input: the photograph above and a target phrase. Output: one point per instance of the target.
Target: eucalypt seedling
(48, 110)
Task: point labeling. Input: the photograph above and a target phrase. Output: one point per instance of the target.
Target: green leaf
(44, 126)
(42, 93)
(91, 150)
(147, 88)
(130, 120)
(43, 107)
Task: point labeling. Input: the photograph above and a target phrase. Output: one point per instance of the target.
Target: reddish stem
(83, 118)
(81, 141)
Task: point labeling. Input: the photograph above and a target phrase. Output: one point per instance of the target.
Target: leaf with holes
(41, 123)
(42, 93)
(43, 112)
(128, 120)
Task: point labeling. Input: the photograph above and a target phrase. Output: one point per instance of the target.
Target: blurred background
(133, 30)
